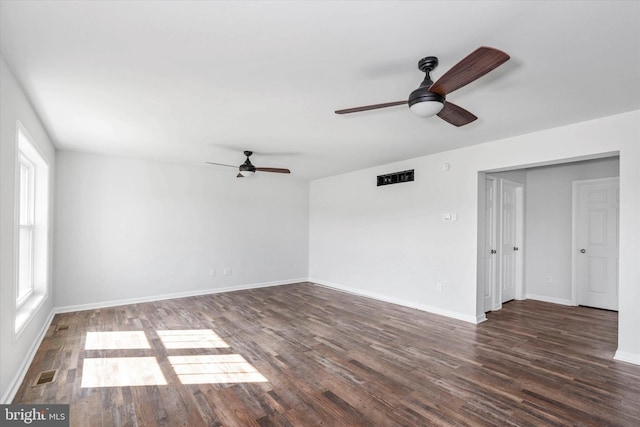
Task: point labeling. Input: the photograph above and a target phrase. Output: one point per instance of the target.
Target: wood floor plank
(329, 358)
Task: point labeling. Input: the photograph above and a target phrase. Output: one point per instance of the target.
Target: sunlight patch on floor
(121, 372)
(218, 368)
(191, 338)
(117, 340)
(144, 371)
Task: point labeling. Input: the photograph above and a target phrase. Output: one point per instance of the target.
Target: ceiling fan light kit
(429, 99)
(245, 174)
(426, 107)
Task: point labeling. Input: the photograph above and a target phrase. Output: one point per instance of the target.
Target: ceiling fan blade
(370, 107)
(455, 115)
(472, 67)
(220, 164)
(276, 170)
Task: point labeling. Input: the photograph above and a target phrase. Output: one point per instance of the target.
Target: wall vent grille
(396, 178)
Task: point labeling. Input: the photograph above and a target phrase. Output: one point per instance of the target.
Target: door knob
(493, 251)
(583, 251)
(515, 248)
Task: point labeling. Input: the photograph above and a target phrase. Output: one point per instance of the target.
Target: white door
(490, 276)
(597, 243)
(510, 236)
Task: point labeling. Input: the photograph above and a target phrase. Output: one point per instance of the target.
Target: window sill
(26, 312)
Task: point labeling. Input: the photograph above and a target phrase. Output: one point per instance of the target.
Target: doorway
(511, 232)
(546, 251)
(503, 234)
(596, 205)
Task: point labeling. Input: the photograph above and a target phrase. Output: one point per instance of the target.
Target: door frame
(519, 190)
(575, 218)
(497, 285)
(490, 302)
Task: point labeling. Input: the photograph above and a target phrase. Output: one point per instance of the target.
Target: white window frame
(26, 222)
(32, 206)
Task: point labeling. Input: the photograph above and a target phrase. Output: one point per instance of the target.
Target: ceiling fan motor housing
(422, 94)
(247, 166)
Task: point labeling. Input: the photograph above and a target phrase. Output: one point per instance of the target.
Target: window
(32, 199)
(25, 241)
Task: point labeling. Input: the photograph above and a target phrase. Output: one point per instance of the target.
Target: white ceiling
(190, 82)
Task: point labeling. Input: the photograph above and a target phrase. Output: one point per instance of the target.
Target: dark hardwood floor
(304, 355)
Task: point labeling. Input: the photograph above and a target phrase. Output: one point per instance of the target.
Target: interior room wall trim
(210, 291)
(402, 302)
(16, 381)
(627, 357)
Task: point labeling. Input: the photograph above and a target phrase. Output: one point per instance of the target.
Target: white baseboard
(553, 300)
(16, 382)
(625, 356)
(397, 301)
(151, 298)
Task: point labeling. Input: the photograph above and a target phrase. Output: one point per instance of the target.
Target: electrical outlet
(439, 287)
(212, 272)
(227, 271)
(549, 279)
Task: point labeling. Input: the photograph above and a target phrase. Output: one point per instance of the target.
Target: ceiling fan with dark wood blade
(248, 169)
(429, 99)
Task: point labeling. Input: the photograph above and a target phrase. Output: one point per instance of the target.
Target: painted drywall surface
(629, 275)
(130, 229)
(548, 226)
(14, 106)
(392, 241)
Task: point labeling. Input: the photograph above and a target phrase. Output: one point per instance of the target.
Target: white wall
(136, 230)
(391, 242)
(14, 351)
(548, 236)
